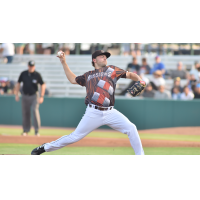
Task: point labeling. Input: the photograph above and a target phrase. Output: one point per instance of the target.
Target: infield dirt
(112, 142)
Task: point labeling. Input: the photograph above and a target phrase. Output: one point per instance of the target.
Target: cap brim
(107, 54)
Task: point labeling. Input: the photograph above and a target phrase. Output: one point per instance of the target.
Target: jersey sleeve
(81, 80)
(20, 78)
(120, 73)
(40, 81)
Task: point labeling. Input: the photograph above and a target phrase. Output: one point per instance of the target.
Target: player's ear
(94, 60)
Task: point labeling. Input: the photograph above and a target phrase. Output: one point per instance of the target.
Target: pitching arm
(70, 75)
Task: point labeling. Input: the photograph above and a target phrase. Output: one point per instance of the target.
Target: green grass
(60, 132)
(26, 149)
(194, 138)
(55, 132)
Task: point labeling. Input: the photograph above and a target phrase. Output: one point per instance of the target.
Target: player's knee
(131, 129)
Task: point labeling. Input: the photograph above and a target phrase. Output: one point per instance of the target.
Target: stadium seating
(52, 72)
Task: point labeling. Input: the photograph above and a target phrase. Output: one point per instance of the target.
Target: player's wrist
(63, 62)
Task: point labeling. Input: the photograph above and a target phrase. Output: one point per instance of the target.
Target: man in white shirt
(157, 79)
(8, 51)
(196, 71)
(187, 94)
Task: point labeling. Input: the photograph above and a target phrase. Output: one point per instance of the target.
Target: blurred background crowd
(156, 74)
(134, 49)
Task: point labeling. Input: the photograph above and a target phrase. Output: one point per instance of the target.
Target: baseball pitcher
(100, 86)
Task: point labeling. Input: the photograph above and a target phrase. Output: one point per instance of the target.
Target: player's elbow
(73, 82)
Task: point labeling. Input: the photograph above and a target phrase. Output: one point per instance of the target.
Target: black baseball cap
(100, 52)
(31, 63)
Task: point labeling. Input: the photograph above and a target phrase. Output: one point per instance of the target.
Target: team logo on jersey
(96, 75)
(34, 81)
(110, 72)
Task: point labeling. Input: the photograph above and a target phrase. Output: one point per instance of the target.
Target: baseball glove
(137, 88)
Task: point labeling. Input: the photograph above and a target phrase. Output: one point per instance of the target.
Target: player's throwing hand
(61, 56)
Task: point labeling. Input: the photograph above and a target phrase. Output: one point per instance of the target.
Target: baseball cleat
(39, 150)
(24, 134)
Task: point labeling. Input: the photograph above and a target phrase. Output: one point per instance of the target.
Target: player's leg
(36, 114)
(119, 122)
(26, 113)
(91, 120)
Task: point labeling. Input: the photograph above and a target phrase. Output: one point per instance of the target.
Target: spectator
(187, 94)
(3, 85)
(158, 66)
(148, 92)
(126, 49)
(29, 48)
(144, 69)
(136, 49)
(196, 71)
(162, 93)
(197, 91)
(48, 48)
(192, 82)
(176, 94)
(133, 67)
(19, 48)
(8, 50)
(66, 50)
(157, 79)
(11, 86)
(177, 83)
(179, 72)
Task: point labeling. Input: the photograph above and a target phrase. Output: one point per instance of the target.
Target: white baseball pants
(93, 119)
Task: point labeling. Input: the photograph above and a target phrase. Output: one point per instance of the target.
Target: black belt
(100, 108)
(29, 94)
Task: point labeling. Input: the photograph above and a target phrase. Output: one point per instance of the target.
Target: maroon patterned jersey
(100, 85)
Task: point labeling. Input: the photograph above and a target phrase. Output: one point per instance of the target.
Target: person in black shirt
(133, 67)
(30, 79)
(144, 68)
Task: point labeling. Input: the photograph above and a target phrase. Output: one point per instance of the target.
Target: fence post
(191, 49)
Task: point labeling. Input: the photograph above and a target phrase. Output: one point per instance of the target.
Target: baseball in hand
(59, 53)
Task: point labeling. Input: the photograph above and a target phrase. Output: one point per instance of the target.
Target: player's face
(101, 61)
